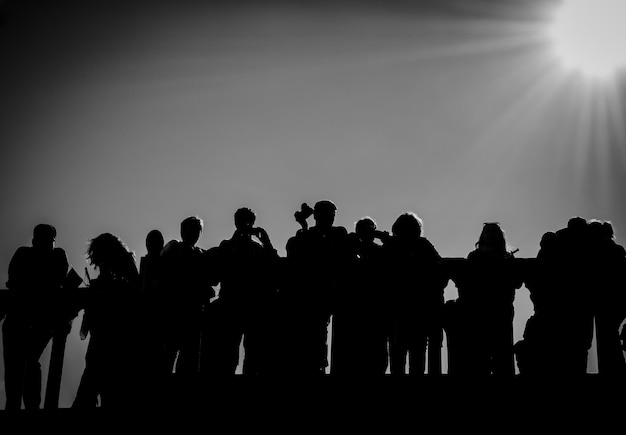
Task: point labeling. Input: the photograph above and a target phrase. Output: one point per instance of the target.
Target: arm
(302, 215)
(84, 326)
(265, 240)
(17, 269)
(62, 269)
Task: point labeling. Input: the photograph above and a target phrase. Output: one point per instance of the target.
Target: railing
(73, 301)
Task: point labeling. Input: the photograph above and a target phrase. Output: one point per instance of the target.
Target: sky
(128, 116)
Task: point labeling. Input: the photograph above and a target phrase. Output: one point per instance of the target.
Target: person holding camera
(318, 259)
(360, 322)
(245, 265)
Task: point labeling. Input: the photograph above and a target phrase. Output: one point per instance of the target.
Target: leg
(87, 393)
(417, 352)
(37, 343)
(14, 364)
(398, 349)
(435, 341)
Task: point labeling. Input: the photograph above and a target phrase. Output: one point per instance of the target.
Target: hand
(263, 236)
(301, 220)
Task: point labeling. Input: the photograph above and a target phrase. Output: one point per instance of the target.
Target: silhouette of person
(360, 322)
(537, 352)
(189, 289)
(487, 292)
(575, 316)
(150, 265)
(608, 262)
(31, 320)
(108, 320)
(246, 266)
(154, 300)
(415, 296)
(317, 258)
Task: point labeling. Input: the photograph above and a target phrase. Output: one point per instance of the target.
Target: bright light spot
(590, 36)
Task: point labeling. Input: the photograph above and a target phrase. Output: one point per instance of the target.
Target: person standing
(317, 260)
(245, 266)
(109, 321)
(416, 281)
(30, 322)
(360, 322)
(486, 294)
(188, 285)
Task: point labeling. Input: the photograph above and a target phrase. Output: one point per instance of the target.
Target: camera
(304, 213)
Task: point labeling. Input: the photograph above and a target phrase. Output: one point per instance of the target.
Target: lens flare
(588, 36)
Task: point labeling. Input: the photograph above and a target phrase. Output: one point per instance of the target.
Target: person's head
(492, 238)
(44, 236)
(324, 213)
(107, 251)
(190, 230)
(244, 219)
(365, 229)
(595, 229)
(154, 242)
(577, 225)
(548, 240)
(407, 225)
(607, 230)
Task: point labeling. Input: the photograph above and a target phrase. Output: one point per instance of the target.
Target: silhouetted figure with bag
(414, 292)
(317, 260)
(109, 320)
(32, 317)
(245, 267)
(360, 323)
(188, 284)
(486, 294)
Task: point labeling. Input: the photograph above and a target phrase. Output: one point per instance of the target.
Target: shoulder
(427, 246)
(425, 243)
(339, 234)
(213, 250)
(20, 258)
(59, 253)
(390, 244)
(170, 247)
(212, 254)
(224, 244)
(340, 231)
(23, 251)
(22, 255)
(618, 250)
(473, 255)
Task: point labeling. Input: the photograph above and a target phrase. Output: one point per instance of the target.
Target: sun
(589, 36)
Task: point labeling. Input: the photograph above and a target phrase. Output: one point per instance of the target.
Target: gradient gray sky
(129, 116)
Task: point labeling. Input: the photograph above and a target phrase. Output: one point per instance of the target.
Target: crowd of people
(185, 310)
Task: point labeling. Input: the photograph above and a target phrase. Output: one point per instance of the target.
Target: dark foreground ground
(388, 405)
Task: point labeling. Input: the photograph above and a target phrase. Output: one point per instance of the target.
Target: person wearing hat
(317, 261)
